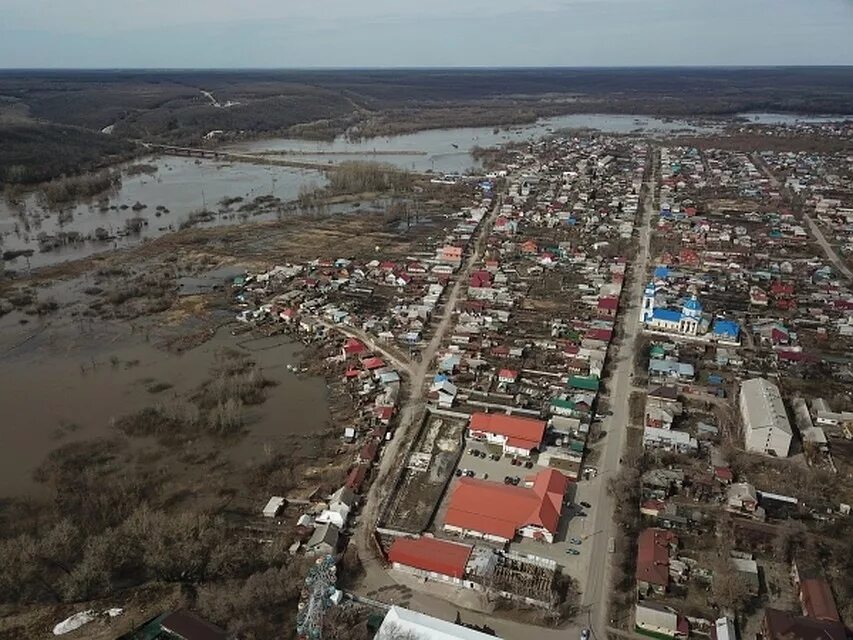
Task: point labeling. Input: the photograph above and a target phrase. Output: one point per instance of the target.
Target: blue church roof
(693, 304)
(668, 315)
(726, 328)
(661, 272)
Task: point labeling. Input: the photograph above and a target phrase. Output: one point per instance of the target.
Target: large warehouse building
(765, 421)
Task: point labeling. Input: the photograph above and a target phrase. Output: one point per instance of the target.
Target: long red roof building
(501, 510)
(430, 554)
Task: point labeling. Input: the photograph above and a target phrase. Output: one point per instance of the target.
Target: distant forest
(51, 121)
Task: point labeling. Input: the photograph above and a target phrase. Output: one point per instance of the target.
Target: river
(183, 186)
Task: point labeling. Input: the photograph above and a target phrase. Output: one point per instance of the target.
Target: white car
(585, 634)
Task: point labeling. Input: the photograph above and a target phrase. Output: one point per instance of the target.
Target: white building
(657, 618)
(689, 321)
(405, 623)
(765, 421)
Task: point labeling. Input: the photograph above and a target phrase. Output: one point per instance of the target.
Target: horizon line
(696, 67)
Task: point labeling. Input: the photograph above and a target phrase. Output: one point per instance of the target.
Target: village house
(515, 434)
(653, 552)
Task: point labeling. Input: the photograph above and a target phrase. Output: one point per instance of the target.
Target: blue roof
(726, 328)
(662, 272)
(693, 304)
(666, 314)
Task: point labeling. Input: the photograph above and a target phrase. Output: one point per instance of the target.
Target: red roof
(508, 374)
(609, 303)
(353, 346)
(501, 509)
(600, 334)
(357, 476)
(373, 363)
(529, 430)
(653, 556)
(429, 554)
(817, 599)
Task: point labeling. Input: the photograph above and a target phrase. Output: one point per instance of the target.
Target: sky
(422, 33)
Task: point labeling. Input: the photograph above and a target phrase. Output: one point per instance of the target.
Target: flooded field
(69, 380)
(791, 118)
(449, 150)
(178, 188)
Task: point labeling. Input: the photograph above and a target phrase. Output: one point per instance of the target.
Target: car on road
(585, 634)
(573, 552)
(585, 505)
(458, 472)
(575, 540)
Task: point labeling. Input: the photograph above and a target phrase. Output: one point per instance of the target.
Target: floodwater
(181, 185)
(792, 118)
(63, 381)
(449, 150)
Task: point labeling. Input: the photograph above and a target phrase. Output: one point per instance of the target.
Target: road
(596, 594)
(413, 406)
(827, 248)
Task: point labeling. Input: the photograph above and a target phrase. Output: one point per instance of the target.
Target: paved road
(596, 594)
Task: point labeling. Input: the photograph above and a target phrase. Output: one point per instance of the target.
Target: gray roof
(763, 405)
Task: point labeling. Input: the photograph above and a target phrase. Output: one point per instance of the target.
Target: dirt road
(412, 408)
(596, 593)
(815, 230)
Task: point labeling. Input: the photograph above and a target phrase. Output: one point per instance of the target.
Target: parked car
(581, 514)
(528, 465)
(495, 456)
(585, 634)
(507, 480)
(516, 480)
(573, 552)
(469, 473)
(586, 505)
(458, 472)
(575, 540)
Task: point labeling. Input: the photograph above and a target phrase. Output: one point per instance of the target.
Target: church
(687, 321)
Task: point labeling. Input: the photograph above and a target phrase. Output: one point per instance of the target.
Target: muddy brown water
(62, 382)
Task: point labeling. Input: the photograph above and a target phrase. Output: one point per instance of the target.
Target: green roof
(586, 383)
(560, 403)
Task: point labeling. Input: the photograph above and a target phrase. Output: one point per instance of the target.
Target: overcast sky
(395, 33)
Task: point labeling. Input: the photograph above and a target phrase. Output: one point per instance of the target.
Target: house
(324, 540)
(669, 440)
(341, 503)
(516, 435)
(353, 347)
(430, 558)
(404, 623)
(507, 376)
(608, 306)
(781, 625)
(741, 496)
(817, 600)
(657, 619)
(653, 547)
(661, 412)
(724, 629)
(178, 625)
(357, 476)
(274, 507)
(766, 426)
(443, 392)
(498, 512)
(368, 453)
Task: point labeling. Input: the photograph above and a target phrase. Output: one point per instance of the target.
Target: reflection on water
(449, 150)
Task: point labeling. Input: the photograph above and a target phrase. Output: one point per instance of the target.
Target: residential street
(596, 594)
